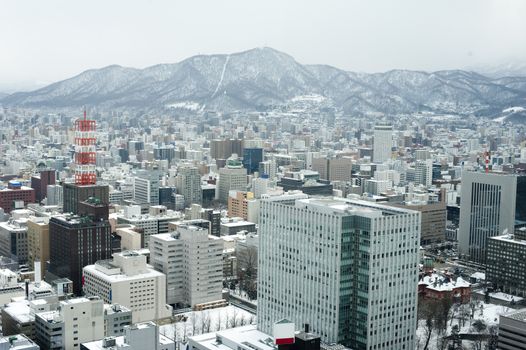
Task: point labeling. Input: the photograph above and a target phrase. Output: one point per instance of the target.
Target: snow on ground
(514, 110)
(199, 322)
(309, 98)
(489, 313)
(189, 105)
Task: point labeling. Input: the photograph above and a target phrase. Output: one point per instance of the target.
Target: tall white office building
(188, 184)
(192, 261)
(424, 172)
(348, 268)
(146, 187)
(382, 143)
(232, 177)
(487, 209)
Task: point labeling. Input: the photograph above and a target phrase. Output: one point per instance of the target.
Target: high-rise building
(191, 259)
(348, 268)
(214, 216)
(188, 184)
(251, 159)
(424, 172)
(383, 141)
(55, 195)
(38, 242)
(146, 187)
(340, 169)
(505, 263)
(40, 182)
(321, 165)
(223, 149)
(232, 177)
(77, 241)
(73, 194)
(127, 280)
(487, 209)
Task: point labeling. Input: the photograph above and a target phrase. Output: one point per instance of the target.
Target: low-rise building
(137, 337)
(437, 286)
(17, 342)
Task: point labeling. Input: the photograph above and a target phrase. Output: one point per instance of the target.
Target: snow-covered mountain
(263, 77)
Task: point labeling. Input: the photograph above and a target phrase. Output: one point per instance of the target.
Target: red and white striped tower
(85, 151)
(486, 160)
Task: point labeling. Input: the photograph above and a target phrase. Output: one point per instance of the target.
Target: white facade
(339, 265)
(424, 172)
(192, 262)
(232, 177)
(188, 184)
(127, 280)
(74, 322)
(383, 141)
(487, 209)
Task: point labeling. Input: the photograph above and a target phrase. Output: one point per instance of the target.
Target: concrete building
(40, 182)
(74, 322)
(77, 241)
(16, 196)
(243, 205)
(38, 242)
(127, 280)
(233, 177)
(338, 265)
(116, 319)
(191, 259)
(383, 141)
(231, 226)
(424, 172)
(512, 330)
(487, 209)
(321, 165)
(188, 184)
(55, 195)
(434, 220)
(73, 194)
(156, 221)
(140, 336)
(17, 342)
(146, 187)
(506, 263)
(13, 239)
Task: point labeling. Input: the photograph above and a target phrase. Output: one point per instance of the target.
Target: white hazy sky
(44, 41)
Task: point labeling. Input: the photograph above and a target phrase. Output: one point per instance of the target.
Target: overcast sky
(45, 41)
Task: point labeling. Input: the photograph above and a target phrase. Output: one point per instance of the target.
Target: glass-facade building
(348, 268)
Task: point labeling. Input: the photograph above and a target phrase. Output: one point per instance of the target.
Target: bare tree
(206, 321)
(193, 323)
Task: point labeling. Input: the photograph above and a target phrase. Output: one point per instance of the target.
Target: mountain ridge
(260, 78)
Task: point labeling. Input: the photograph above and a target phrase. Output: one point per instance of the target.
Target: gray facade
(487, 209)
(512, 331)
